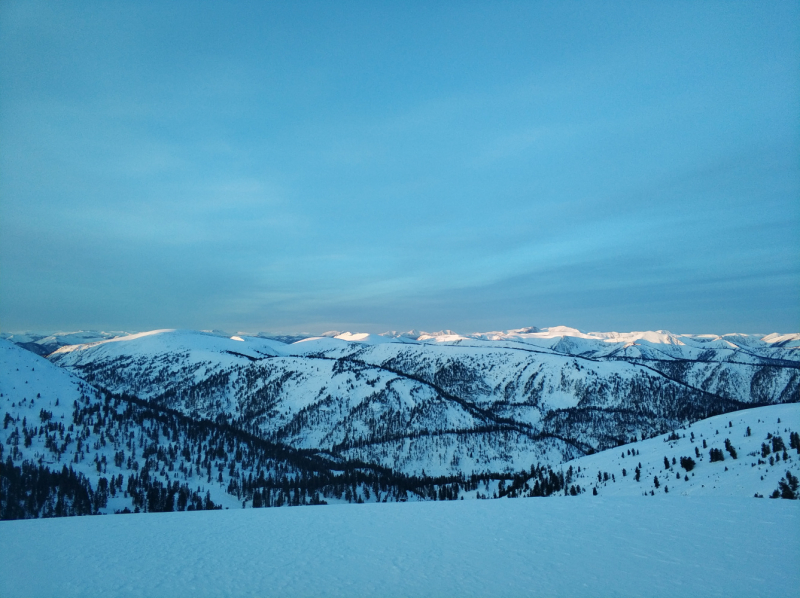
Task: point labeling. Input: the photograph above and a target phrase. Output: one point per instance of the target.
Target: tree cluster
(29, 491)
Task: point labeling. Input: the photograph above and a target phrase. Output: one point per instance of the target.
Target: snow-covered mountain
(444, 403)
(754, 452)
(68, 449)
(44, 343)
(179, 419)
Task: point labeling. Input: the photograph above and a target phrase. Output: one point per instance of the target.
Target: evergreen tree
(788, 487)
(729, 448)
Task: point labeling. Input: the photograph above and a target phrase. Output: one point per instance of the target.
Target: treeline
(30, 490)
(540, 481)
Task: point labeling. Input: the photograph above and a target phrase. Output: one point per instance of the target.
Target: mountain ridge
(443, 406)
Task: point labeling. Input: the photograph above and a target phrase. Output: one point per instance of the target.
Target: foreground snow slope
(590, 546)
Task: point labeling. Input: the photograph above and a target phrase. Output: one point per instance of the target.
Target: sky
(301, 167)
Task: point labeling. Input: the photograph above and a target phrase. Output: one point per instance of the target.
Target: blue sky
(370, 166)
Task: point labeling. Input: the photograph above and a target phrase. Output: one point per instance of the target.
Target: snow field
(588, 546)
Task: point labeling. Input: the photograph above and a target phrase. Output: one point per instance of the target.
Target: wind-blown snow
(589, 546)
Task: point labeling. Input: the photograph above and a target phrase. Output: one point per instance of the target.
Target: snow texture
(589, 546)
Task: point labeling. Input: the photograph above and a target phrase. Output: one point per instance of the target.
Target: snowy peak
(562, 339)
(363, 337)
(409, 334)
(46, 343)
(557, 332)
(442, 336)
(197, 346)
(126, 338)
(783, 340)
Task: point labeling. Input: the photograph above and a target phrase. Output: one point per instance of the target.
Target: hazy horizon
(356, 330)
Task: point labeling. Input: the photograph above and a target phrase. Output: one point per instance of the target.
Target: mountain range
(404, 416)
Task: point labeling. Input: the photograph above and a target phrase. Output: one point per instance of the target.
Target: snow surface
(588, 546)
(750, 473)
